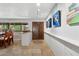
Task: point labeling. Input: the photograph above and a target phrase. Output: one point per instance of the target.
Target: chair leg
(4, 43)
(9, 41)
(12, 40)
(1, 43)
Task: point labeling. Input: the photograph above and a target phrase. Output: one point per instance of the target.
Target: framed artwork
(57, 19)
(50, 22)
(73, 14)
(46, 24)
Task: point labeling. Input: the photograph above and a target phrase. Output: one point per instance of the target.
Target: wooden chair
(10, 37)
(4, 40)
(1, 40)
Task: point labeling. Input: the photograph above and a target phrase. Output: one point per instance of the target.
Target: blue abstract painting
(57, 19)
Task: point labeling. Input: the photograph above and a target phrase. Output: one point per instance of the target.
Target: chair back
(7, 35)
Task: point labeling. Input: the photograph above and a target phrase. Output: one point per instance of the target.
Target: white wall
(65, 30)
(60, 47)
(70, 32)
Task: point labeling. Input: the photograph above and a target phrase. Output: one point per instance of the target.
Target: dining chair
(4, 40)
(10, 37)
(1, 40)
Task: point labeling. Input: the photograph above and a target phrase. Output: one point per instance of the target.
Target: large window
(4, 27)
(15, 27)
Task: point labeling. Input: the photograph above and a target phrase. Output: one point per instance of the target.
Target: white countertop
(74, 42)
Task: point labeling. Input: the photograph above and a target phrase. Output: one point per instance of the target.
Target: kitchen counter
(26, 38)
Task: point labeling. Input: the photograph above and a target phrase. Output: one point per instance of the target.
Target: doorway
(37, 30)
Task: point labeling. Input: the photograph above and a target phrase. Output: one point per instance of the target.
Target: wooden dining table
(2, 32)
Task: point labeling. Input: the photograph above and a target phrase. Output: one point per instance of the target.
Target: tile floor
(36, 48)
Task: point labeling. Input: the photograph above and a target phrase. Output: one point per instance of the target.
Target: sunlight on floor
(36, 48)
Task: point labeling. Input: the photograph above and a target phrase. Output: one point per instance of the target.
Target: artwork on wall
(57, 19)
(46, 24)
(73, 14)
(49, 23)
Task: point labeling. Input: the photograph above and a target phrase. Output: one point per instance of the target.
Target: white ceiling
(25, 10)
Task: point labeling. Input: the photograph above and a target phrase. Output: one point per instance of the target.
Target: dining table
(1, 34)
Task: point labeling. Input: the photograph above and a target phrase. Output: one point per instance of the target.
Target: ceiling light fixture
(38, 9)
(38, 4)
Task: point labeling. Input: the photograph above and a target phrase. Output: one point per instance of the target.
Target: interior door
(41, 31)
(34, 30)
(37, 30)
